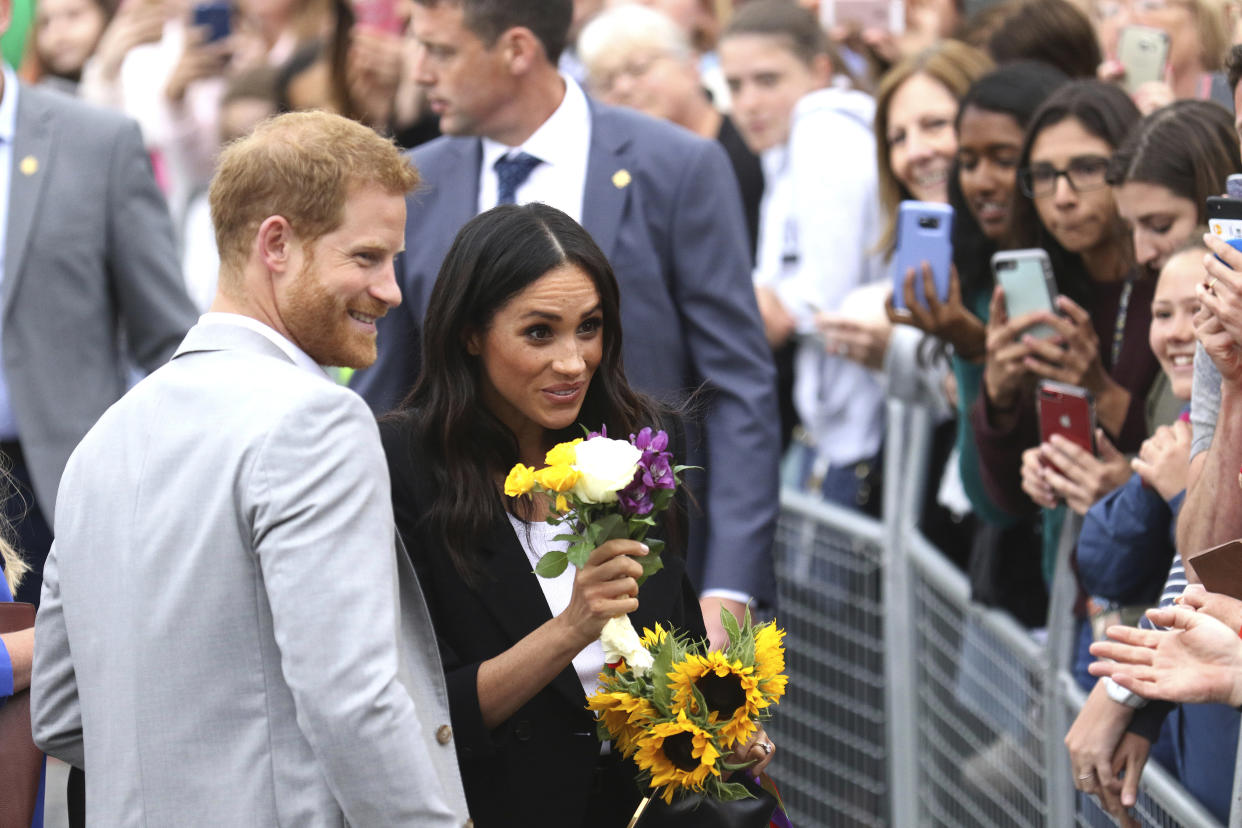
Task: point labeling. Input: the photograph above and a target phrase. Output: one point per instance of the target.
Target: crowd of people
(725, 181)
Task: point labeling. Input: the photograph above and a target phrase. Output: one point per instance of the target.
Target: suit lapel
(33, 154)
(516, 600)
(609, 180)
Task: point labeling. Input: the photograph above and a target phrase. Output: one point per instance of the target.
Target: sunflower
(730, 690)
(770, 660)
(678, 754)
(653, 637)
(625, 716)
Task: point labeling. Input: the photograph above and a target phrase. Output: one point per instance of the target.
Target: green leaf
(651, 562)
(552, 564)
(579, 552)
(661, 693)
(730, 624)
(610, 527)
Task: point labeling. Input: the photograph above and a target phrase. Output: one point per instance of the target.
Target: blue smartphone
(1224, 217)
(214, 17)
(924, 234)
(1026, 277)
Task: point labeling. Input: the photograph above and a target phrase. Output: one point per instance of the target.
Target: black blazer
(538, 767)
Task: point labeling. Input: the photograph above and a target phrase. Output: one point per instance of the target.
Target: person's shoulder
(429, 157)
(630, 124)
(85, 120)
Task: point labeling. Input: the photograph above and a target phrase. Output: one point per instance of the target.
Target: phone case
(889, 15)
(1224, 217)
(1026, 276)
(924, 234)
(378, 14)
(1220, 568)
(1066, 410)
(1143, 51)
(215, 17)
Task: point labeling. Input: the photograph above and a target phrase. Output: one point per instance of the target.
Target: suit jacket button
(444, 734)
(522, 730)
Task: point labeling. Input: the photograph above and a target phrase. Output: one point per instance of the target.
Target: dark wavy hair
(1104, 111)
(495, 256)
(1187, 147)
(1017, 90)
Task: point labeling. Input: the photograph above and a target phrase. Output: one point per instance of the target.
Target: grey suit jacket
(664, 206)
(91, 281)
(226, 635)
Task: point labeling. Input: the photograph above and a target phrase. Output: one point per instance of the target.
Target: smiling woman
(522, 347)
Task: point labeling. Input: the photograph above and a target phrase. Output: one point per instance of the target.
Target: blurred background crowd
(1093, 130)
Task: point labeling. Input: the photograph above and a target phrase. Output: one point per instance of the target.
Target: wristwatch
(1121, 695)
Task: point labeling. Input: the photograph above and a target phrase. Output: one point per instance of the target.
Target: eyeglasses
(1086, 172)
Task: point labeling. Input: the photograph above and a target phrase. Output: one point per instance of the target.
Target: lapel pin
(621, 179)
(29, 165)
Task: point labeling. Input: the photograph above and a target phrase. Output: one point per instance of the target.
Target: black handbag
(698, 811)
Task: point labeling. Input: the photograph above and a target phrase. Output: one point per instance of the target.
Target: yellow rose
(562, 505)
(520, 481)
(557, 478)
(563, 454)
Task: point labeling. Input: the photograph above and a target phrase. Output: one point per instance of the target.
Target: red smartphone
(1067, 410)
(379, 14)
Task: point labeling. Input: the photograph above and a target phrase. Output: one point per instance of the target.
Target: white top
(819, 222)
(537, 540)
(300, 358)
(562, 143)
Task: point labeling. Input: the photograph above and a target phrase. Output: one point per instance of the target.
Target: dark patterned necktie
(511, 173)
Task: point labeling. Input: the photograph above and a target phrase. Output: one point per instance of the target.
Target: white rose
(607, 467)
(621, 641)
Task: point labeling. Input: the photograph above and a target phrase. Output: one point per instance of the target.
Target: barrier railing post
(1062, 627)
(905, 471)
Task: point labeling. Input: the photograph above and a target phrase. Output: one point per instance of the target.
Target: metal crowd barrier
(909, 705)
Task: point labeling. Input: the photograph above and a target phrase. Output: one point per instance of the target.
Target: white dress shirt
(300, 358)
(562, 143)
(537, 540)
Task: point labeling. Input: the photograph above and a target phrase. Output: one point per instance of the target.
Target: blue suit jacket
(676, 237)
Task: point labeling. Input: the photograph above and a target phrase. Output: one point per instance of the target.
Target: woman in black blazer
(522, 343)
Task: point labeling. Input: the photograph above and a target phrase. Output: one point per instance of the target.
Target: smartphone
(215, 18)
(378, 14)
(889, 15)
(924, 234)
(1067, 410)
(1026, 277)
(1143, 51)
(1224, 217)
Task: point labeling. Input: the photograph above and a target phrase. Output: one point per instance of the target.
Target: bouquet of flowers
(675, 708)
(679, 719)
(603, 489)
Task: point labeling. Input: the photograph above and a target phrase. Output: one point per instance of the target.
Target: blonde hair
(15, 567)
(1212, 24)
(300, 165)
(953, 65)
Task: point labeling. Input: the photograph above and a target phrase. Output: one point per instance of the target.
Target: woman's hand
(1153, 95)
(605, 588)
(1099, 747)
(758, 749)
(1164, 459)
(198, 60)
(136, 22)
(1034, 482)
(948, 320)
(373, 70)
(1073, 355)
(1223, 608)
(864, 341)
(1078, 477)
(1218, 324)
(1004, 367)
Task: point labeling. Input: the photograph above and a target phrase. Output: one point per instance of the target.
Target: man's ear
(522, 50)
(276, 243)
(821, 70)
